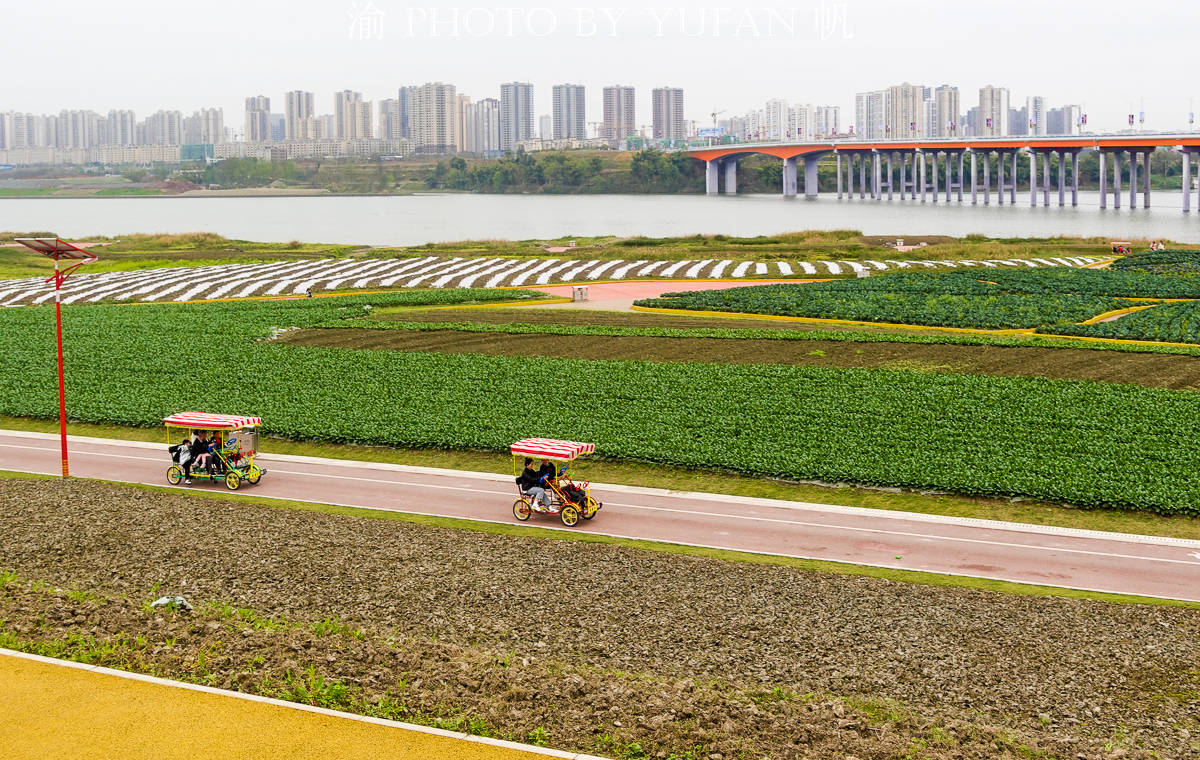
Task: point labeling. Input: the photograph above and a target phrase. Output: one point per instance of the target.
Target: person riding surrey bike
(530, 482)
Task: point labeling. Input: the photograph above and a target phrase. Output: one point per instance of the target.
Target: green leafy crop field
(970, 299)
(1089, 444)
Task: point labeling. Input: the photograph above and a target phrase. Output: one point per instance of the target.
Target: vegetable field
(992, 300)
(1169, 323)
(1089, 444)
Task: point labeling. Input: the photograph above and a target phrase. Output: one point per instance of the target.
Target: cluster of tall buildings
(779, 120)
(432, 118)
(120, 128)
(908, 111)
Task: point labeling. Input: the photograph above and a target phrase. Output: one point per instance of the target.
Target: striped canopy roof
(211, 421)
(549, 448)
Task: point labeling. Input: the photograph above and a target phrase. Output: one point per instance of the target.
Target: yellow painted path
(54, 709)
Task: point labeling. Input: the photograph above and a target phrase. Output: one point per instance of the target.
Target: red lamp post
(60, 250)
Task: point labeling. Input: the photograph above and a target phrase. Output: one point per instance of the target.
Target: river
(415, 219)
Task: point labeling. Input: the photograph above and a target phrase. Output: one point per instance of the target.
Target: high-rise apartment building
(666, 104)
(993, 111)
(122, 128)
(570, 111)
(461, 102)
(516, 114)
(777, 121)
(545, 127)
(946, 112)
(389, 118)
(352, 117)
(258, 119)
(433, 119)
(906, 111)
(620, 119)
(1035, 113)
(278, 127)
(826, 121)
(164, 128)
(205, 126)
(870, 115)
(482, 128)
(405, 96)
(298, 109)
(1064, 121)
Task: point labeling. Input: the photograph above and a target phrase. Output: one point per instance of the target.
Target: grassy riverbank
(137, 251)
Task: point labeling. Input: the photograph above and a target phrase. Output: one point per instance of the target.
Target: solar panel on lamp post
(60, 250)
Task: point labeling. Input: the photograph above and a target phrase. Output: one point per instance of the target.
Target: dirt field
(589, 647)
(1153, 370)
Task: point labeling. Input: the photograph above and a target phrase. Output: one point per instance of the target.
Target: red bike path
(1089, 560)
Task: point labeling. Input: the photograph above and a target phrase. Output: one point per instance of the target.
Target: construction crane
(715, 114)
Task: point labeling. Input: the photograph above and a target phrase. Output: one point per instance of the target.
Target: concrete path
(1090, 560)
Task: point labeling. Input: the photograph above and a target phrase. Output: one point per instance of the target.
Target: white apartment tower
(352, 117)
(1035, 111)
(870, 115)
(906, 111)
(516, 114)
(993, 111)
(620, 119)
(667, 113)
(298, 109)
(258, 119)
(826, 121)
(946, 112)
(433, 119)
(569, 110)
(483, 127)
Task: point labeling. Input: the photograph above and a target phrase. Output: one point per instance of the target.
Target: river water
(411, 220)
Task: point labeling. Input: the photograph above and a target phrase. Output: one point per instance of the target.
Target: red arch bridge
(919, 168)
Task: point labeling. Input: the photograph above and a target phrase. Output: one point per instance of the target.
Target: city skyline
(318, 47)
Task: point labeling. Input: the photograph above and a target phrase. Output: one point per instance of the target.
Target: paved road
(55, 709)
(1163, 567)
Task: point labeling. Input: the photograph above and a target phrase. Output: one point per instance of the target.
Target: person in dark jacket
(181, 454)
(200, 454)
(530, 483)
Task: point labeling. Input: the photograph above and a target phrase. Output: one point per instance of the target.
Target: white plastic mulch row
(296, 277)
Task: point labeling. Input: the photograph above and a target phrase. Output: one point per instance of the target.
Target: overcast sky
(1113, 57)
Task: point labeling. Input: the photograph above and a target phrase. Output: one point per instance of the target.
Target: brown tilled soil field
(593, 647)
(1150, 369)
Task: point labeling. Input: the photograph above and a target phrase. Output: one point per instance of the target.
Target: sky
(1112, 57)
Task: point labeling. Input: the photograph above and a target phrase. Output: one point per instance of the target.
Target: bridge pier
(1103, 180)
(1117, 179)
(961, 166)
(921, 160)
(1133, 179)
(810, 177)
(838, 156)
(731, 176)
(1146, 179)
(974, 183)
(862, 176)
(934, 158)
(789, 177)
(1000, 179)
(876, 180)
(710, 177)
(1046, 179)
(890, 175)
(1187, 180)
(1062, 176)
(987, 182)
(1012, 189)
(1033, 177)
(1075, 176)
(850, 176)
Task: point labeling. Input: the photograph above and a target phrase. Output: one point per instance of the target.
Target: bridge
(954, 166)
